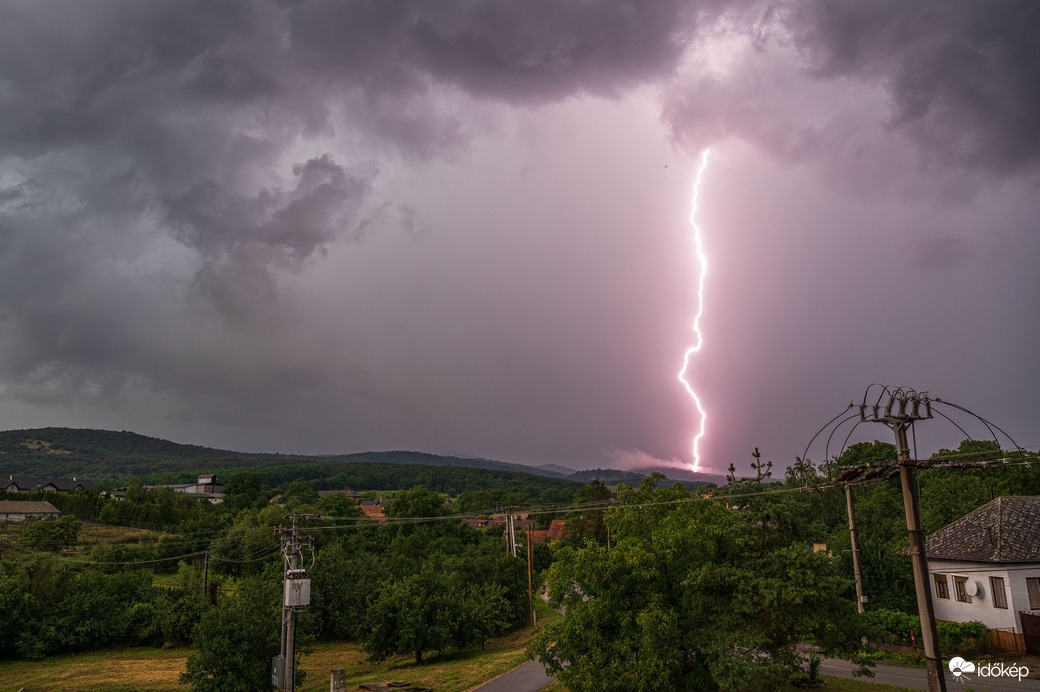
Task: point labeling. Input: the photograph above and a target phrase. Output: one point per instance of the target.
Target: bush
(893, 626)
(235, 642)
(952, 635)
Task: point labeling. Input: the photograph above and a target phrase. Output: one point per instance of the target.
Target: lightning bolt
(702, 262)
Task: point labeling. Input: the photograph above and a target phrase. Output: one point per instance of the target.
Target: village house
(25, 484)
(373, 509)
(556, 531)
(18, 510)
(206, 486)
(986, 566)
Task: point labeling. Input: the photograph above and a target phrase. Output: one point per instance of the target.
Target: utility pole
(899, 422)
(509, 533)
(205, 575)
(860, 598)
(530, 576)
(296, 596)
(511, 538)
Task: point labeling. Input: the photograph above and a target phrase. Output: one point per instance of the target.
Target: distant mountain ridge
(112, 454)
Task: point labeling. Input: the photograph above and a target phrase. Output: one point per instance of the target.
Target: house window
(942, 590)
(1033, 587)
(996, 585)
(961, 589)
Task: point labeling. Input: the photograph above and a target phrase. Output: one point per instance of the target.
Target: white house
(986, 566)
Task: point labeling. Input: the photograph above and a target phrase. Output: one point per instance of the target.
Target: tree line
(661, 584)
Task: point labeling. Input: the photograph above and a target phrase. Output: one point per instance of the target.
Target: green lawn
(157, 670)
(110, 670)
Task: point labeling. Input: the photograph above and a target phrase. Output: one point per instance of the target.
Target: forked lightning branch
(702, 264)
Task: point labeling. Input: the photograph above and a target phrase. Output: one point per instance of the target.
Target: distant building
(521, 520)
(986, 566)
(373, 509)
(25, 484)
(557, 530)
(17, 510)
(205, 487)
(820, 547)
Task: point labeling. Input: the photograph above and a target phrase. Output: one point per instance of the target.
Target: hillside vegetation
(105, 455)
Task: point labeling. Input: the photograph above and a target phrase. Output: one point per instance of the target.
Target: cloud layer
(329, 226)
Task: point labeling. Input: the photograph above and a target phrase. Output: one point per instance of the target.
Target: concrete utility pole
(860, 597)
(530, 574)
(509, 534)
(899, 422)
(205, 575)
(296, 596)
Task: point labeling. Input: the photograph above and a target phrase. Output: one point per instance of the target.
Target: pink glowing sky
(463, 228)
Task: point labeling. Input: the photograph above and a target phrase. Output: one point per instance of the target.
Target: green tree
(233, 644)
(417, 502)
(687, 599)
(588, 521)
(299, 493)
(244, 489)
(52, 534)
(339, 612)
(339, 506)
(416, 615)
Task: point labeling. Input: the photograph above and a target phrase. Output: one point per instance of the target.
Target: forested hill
(109, 455)
(87, 443)
(105, 455)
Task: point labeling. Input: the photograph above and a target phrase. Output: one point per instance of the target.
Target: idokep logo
(958, 666)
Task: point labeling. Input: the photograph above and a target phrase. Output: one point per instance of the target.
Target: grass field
(157, 670)
(111, 670)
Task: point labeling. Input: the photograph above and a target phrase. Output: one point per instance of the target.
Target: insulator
(902, 408)
(849, 474)
(874, 473)
(876, 409)
(892, 474)
(888, 407)
(862, 412)
(916, 411)
(927, 408)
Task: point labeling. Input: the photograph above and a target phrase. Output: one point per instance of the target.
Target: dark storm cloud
(962, 75)
(959, 79)
(516, 51)
(169, 168)
(241, 238)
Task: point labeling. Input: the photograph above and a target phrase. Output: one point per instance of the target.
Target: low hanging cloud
(241, 239)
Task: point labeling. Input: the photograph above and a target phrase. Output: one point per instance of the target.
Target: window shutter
(996, 585)
(1033, 586)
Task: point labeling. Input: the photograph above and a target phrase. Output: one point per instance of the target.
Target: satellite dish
(972, 587)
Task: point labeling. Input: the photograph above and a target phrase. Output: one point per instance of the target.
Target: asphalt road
(527, 677)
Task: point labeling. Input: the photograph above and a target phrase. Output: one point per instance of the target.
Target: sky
(464, 227)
